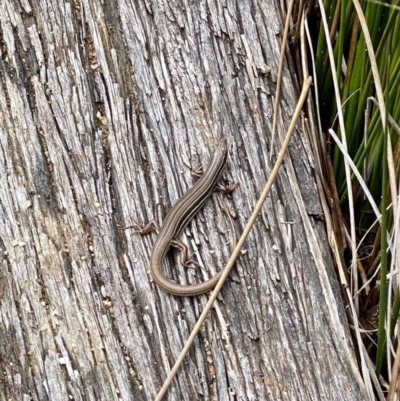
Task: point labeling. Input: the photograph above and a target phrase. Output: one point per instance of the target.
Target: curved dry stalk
(239, 245)
(280, 72)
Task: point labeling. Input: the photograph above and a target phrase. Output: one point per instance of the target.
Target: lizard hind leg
(184, 258)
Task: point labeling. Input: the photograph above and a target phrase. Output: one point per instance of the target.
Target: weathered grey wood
(105, 106)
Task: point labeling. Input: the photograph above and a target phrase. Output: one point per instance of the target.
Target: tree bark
(105, 107)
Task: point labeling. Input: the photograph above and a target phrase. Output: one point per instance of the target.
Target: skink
(177, 219)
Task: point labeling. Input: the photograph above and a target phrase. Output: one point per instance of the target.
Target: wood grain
(104, 108)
